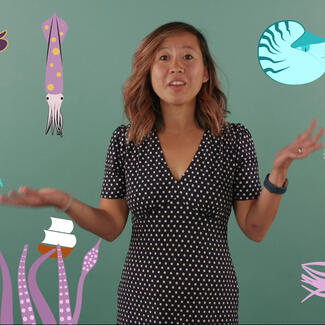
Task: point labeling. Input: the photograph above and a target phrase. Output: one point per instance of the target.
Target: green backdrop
(97, 55)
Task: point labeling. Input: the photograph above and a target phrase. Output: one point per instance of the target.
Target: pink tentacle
(27, 313)
(89, 262)
(64, 299)
(40, 302)
(6, 305)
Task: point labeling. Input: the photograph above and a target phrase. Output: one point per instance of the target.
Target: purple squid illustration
(54, 30)
(43, 309)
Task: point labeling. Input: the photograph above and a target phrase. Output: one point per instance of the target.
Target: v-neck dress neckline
(194, 159)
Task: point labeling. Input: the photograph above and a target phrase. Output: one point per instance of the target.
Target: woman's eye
(187, 56)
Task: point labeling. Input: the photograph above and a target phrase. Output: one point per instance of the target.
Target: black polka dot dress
(178, 269)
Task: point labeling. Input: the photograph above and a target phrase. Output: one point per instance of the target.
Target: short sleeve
(247, 184)
(113, 186)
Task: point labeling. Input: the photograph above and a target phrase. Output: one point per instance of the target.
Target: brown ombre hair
(142, 105)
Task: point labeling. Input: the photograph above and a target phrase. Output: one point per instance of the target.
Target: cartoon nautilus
(54, 30)
(290, 55)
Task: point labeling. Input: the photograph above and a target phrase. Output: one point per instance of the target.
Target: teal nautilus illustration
(290, 55)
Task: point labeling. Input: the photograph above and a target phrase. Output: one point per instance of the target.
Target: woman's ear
(206, 75)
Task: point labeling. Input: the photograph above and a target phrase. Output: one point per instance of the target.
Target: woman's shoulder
(236, 130)
(121, 131)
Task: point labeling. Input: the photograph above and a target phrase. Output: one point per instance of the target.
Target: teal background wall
(97, 54)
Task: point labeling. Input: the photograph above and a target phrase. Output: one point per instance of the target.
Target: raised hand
(27, 196)
(300, 148)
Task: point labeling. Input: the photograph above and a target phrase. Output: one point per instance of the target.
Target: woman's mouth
(176, 85)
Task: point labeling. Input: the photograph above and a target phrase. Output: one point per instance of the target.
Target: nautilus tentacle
(27, 313)
(64, 299)
(89, 262)
(6, 302)
(54, 30)
(289, 54)
(316, 279)
(41, 305)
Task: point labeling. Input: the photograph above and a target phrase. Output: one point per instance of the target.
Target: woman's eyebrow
(184, 47)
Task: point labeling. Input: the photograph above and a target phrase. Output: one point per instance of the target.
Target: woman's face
(178, 58)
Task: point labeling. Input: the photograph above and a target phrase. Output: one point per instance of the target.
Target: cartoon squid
(29, 290)
(54, 30)
(289, 54)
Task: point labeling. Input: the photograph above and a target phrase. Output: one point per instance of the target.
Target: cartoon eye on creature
(58, 243)
(290, 55)
(54, 30)
(3, 42)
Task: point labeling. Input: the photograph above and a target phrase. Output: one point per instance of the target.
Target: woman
(180, 167)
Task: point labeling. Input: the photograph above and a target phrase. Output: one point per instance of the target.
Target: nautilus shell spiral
(290, 55)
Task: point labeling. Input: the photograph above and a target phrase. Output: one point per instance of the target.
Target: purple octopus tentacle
(89, 261)
(64, 299)
(40, 302)
(6, 305)
(27, 313)
(77, 309)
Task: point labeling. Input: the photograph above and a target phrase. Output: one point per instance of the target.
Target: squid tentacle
(60, 121)
(27, 313)
(64, 299)
(53, 119)
(40, 302)
(89, 262)
(6, 305)
(49, 120)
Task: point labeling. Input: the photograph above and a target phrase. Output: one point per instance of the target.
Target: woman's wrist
(66, 203)
(278, 177)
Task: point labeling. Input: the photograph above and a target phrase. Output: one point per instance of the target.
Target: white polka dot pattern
(64, 298)
(178, 268)
(27, 313)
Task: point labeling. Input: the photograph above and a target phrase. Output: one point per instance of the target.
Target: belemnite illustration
(289, 54)
(3, 41)
(54, 30)
(28, 289)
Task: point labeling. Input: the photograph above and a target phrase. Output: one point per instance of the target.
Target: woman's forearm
(264, 210)
(95, 220)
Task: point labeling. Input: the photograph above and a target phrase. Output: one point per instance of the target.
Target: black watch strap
(273, 188)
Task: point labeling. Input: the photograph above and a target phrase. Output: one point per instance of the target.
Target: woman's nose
(176, 67)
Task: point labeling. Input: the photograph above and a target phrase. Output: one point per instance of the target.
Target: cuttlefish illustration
(54, 30)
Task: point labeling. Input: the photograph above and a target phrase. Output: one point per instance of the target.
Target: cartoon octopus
(44, 311)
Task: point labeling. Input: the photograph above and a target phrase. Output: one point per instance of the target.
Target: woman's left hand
(300, 148)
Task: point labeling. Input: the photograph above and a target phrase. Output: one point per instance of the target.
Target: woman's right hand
(26, 196)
